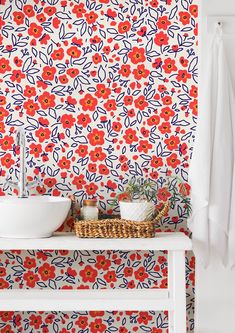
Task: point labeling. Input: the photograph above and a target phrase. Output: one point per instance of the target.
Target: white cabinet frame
(172, 299)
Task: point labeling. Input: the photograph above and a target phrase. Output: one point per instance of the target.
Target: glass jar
(89, 210)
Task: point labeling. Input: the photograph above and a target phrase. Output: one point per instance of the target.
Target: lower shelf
(85, 300)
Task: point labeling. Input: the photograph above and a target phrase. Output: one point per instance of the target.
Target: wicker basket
(118, 228)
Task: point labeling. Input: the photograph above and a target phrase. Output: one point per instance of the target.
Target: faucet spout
(22, 183)
(20, 141)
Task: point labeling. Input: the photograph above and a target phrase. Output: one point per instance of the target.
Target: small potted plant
(141, 196)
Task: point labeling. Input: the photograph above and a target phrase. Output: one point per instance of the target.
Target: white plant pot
(137, 211)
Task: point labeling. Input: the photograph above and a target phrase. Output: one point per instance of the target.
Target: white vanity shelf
(172, 299)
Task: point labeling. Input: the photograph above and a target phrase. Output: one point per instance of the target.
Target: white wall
(215, 286)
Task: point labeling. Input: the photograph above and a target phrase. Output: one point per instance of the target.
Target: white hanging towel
(211, 172)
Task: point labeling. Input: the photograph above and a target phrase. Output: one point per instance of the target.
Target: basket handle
(162, 211)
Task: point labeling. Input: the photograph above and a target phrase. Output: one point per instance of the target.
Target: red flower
(169, 66)
(18, 17)
(91, 188)
(125, 70)
(96, 137)
(140, 72)
(165, 127)
(49, 182)
(64, 163)
(48, 73)
(164, 283)
(50, 10)
(96, 58)
(141, 274)
(163, 194)
(43, 134)
(31, 107)
(141, 103)
(97, 154)
(144, 146)
(167, 100)
(161, 39)
(183, 76)
(35, 321)
(58, 54)
(163, 22)
(46, 271)
(110, 276)
(6, 316)
(153, 120)
(46, 100)
(102, 262)
(17, 76)
(88, 274)
(130, 136)
(116, 126)
(3, 271)
(137, 54)
(6, 142)
(35, 149)
(92, 167)
(102, 91)
(184, 62)
(128, 100)
(35, 30)
(74, 52)
(29, 91)
(29, 262)
(184, 189)
(72, 72)
(97, 326)
(7, 329)
(79, 182)
(28, 10)
(79, 10)
(103, 170)
(124, 27)
(4, 66)
(3, 284)
(144, 318)
(31, 279)
(83, 119)
(193, 91)
(82, 150)
(67, 120)
(128, 271)
(167, 113)
(154, 3)
(91, 17)
(3, 113)
(172, 161)
(94, 314)
(194, 107)
(172, 143)
(7, 161)
(82, 322)
(110, 105)
(156, 162)
(184, 18)
(88, 102)
(193, 9)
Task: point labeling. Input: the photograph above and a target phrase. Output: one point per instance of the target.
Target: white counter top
(68, 241)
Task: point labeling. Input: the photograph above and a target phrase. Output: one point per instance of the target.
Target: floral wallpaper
(106, 90)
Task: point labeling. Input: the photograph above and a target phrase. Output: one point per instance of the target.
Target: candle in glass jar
(89, 210)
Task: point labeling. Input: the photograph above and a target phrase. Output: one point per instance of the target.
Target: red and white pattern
(106, 89)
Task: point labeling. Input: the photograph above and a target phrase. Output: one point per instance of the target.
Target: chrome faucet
(22, 184)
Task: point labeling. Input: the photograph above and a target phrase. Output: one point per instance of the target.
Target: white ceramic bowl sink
(32, 217)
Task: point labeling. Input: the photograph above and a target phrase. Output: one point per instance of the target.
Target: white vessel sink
(32, 217)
